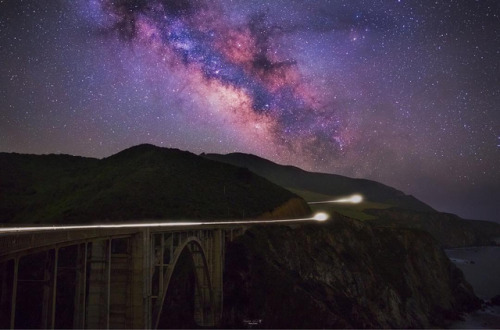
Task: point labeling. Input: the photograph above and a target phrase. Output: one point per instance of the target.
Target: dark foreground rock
(341, 274)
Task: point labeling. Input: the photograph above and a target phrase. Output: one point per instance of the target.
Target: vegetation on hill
(321, 183)
(355, 211)
(142, 182)
(383, 206)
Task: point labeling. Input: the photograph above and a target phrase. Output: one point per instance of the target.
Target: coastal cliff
(341, 274)
(450, 230)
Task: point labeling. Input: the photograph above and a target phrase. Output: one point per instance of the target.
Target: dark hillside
(327, 184)
(142, 182)
(383, 206)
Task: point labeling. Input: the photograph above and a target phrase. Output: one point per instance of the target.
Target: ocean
(481, 268)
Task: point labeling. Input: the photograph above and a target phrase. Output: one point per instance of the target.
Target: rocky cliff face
(449, 229)
(342, 273)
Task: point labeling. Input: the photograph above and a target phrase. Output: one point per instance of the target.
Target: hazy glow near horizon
(317, 217)
(354, 199)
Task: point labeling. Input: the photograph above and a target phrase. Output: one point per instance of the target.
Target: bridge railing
(13, 243)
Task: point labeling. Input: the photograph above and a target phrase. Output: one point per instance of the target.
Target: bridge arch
(119, 278)
(203, 296)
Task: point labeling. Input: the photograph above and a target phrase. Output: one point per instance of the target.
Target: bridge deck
(16, 242)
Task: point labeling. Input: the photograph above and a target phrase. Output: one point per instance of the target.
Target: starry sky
(403, 92)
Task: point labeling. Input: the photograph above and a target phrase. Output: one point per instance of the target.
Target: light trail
(321, 216)
(354, 199)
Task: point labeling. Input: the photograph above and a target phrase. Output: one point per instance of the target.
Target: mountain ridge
(324, 183)
(141, 182)
(393, 207)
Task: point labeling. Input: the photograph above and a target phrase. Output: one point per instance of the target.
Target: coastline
(481, 268)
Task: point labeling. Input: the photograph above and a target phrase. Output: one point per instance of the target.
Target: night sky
(406, 93)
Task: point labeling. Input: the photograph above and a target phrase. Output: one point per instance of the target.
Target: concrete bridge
(115, 276)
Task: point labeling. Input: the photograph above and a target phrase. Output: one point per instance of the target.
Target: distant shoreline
(480, 267)
(482, 270)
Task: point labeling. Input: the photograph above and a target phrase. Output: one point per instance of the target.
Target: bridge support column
(6, 288)
(97, 286)
(14, 293)
(81, 287)
(54, 290)
(136, 307)
(216, 271)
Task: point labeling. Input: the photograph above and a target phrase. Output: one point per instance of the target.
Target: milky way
(402, 92)
(235, 69)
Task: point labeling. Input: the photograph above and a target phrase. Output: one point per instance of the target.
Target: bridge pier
(138, 307)
(80, 303)
(97, 300)
(216, 255)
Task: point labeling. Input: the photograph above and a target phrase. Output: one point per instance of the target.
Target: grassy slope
(321, 183)
(355, 211)
(385, 206)
(138, 183)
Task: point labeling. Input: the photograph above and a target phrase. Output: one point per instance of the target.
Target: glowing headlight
(321, 216)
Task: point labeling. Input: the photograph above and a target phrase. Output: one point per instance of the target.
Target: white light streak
(317, 217)
(354, 199)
